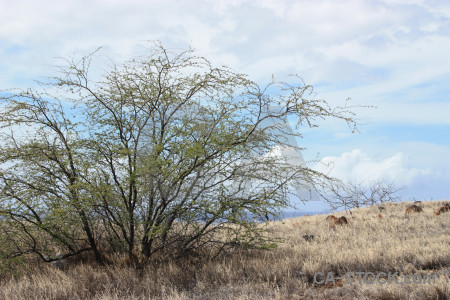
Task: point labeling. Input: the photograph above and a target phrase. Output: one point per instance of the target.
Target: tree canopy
(163, 154)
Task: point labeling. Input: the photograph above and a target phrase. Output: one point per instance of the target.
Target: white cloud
(357, 166)
(390, 53)
(364, 49)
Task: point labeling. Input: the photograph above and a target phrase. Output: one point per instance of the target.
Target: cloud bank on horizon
(392, 54)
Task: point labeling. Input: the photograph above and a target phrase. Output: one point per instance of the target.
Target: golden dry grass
(410, 244)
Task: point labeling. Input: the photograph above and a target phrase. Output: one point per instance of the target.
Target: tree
(164, 154)
(354, 195)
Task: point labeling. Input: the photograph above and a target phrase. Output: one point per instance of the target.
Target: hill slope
(375, 240)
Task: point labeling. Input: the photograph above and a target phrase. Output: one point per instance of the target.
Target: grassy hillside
(414, 244)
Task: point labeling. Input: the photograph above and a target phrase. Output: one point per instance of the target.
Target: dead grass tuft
(393, 243)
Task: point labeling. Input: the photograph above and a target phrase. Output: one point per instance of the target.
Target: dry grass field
(374, 240)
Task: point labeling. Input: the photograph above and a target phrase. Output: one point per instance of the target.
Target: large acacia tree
(163, 154)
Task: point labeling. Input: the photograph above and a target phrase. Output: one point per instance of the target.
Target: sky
(389, 54)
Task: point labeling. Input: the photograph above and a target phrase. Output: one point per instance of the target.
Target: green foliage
(164, 154)
(269, 246)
